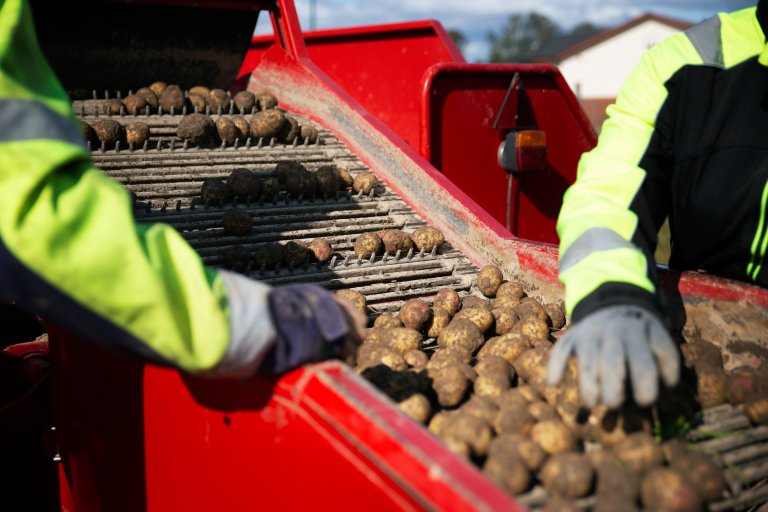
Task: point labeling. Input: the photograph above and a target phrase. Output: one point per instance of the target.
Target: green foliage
(458, 38)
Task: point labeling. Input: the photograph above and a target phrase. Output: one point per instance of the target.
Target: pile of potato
(483, 393)
(395, 241)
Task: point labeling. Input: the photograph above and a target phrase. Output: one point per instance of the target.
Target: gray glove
(606, 342)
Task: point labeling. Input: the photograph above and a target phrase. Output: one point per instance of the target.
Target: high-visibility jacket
(71, 251)
(685, 139)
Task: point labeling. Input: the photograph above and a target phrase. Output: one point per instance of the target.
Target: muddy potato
(742, 383)
(504, 319)
(511, 289)
(756, 409)
(416, 359)
(402, 339)
(519, 446)
(482, 407)
(295, 253)
(135, 104)
(321, 250)
(508, 472)
(112, 107)
(529, 307)
(460, 333)
(511, 398)
(301, 183)
(568, 475)
(447, 300)
(227, 131)
(482, 318)
(639, 452)
(375, 335)
(198, 129)
(507, 346)
(172, 100)
(448, 356)
(505, 302)
(542, 411)
(356, 298)
(702, 354)
(214, 191)
(365, 182)
(669, 490)
(450, 384)
(309, 134)
(108, 131)
(471, 301)
(367, 244)
(136, 133)
(286, 168)
(88, 133)
(267, 255)
(244, 102)
(289, 131)
(610, 426)
(387, 320)
(266, 124)
(437, 322)
(266, 101)
(553, 436)
(494, 364)
(427, 238)
(395, 240)
(415, 314)
(370, 355)
(532, 327)
(328, 182)
(346, 178)
(489, 279)
(218, 101)
(703, 472)
(529, 362)
(243, 128)
(556, 315)
(198, 89)
(244, 184)
(149, 97)
(492, 384)
(473, 430)
(711, 386)
(197, 103)
(158, 88)
(236, 222)
(613, 478)
(417, 407)
(236, 258)
(514, 419)
(270, 187)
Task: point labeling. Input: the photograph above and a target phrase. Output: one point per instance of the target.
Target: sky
(476, 18)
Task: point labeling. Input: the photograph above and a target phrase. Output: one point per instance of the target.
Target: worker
(71, 252)
(684, 140)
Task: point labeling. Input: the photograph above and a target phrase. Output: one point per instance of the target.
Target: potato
(613, 478)
(236, 258)
(417, 407)
(395, 240)
(491, 385)
(542, 411)
(135, 104)
(427, 238)
(511, 289)
(158, 88)
(289, 131)
(268, 255)
(266, 124)
(243, 128)
(756, 409)
(310, 134)
(243, 184)
(346, 179)
(508, 346)
(532, 327)
(199, 89)
(437, 422)
(553, 436)
(244, 101)
(365, 182)
(416, 359)
(703, 472)
(568, 475)
(387, 320)
(494, 364)
(702, 353)
(328, 181)
(489, 279)
(742, 383)
(448, 300)
(375, 335)
(514, 419)
(295, 253)
(88, 133)
(556, 315)
(373, 354)
(669, 490)
(482, 318)
(236, 222)
(609, 427)
(504, 319)
(321, 250)
(711, 385)
(227, 131)
(171, 99)
(286, 168)
(529, 307)
(356, 298)
(111, 107)
(197, 103)
(367, 244)
(415, 314)
(505, 302)
(482, 407)
(437, 322)
(448, 356)
(511, 398)
(529, 361)
(639, 452)
(198, 129)
(402, 339)
(108, 131)
(508, 472)
(301, 183)
(460, 333)
(450, 385)
(136, 133)
(270, 187)
(474, 431)
(150, 98)
(517, 445)
(266, 101)
(471, 301)
(613, 502)
(218, 101)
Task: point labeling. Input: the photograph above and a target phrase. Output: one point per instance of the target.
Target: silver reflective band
(592, 241)
(31, 120)
(706, 38)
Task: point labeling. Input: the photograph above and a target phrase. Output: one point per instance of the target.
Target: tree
(521, 38)
(458, 38)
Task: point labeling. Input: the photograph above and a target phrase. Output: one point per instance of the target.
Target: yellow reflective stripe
(759, 234)
(597, 269)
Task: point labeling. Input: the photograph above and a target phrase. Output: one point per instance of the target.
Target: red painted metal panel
(468, 110)
(378, 65)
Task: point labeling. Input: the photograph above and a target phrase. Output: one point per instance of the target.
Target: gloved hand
(606, 342)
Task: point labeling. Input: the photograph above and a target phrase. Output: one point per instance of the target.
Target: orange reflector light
(530, 139)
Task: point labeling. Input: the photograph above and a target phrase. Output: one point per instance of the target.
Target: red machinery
(135, 437)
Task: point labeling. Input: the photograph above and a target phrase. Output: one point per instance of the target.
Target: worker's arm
(71, 251)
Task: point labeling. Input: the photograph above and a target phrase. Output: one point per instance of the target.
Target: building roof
(560, 48)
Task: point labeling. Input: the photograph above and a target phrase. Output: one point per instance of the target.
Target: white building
(596, 67)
